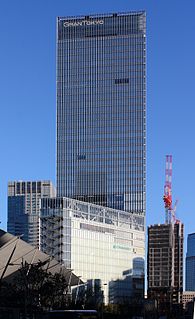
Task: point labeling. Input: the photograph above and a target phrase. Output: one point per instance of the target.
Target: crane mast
(170, 210)
(168, 190)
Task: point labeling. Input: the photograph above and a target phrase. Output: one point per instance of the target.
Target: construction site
(165, 253)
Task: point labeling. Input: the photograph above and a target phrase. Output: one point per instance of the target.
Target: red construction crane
(168, 189)
(170, 211)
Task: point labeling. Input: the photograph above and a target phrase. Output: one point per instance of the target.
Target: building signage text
(82, 23)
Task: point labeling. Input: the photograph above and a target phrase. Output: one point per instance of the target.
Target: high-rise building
(24, 208)
(96, 224)
(165, 263)
(97, 242)
(101, 109)
(190, 263)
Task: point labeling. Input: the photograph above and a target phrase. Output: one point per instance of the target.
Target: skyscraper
(24, 208)
(101, 109)
(190, 263)
(165, 263)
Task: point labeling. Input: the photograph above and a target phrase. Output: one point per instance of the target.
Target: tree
(34, 288)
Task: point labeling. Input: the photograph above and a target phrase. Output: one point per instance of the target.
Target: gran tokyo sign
(82, 23)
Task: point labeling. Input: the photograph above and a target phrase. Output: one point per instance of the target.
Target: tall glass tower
(101, 109)
(190, 263)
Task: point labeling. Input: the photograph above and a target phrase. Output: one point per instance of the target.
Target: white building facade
(96, 242)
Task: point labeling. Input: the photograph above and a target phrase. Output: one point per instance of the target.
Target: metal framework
(91, 212)
(168, 189)
(170, 210)
(55, 222)
(14, 253)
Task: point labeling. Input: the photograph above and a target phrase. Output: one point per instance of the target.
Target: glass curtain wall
(101, 105)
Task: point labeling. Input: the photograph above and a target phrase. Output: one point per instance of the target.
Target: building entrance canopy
(14, 252)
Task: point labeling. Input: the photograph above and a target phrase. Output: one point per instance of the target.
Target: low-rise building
(187, 296)
(96, 241)
(130, 287)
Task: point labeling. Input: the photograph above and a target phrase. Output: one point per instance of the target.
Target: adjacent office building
(165, 263)
(101, 109)
(190, 263)
(24, 208)
(96, 242)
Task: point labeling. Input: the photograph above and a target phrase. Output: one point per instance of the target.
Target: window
(122, 81)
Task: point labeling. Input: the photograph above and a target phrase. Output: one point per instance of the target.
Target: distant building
(190, 263)
(96, 241)
(24, 208)
(130, 286)
(165, 263)
(90, 294)
(188, 296)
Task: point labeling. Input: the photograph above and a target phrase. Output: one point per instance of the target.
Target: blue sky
(27, 94)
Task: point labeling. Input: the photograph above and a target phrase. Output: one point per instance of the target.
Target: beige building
(97, 242)
(187, 296)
